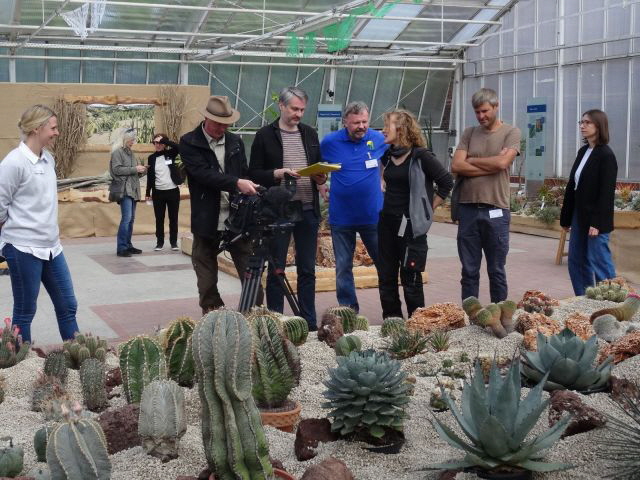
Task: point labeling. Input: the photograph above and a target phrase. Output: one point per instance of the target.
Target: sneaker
(124, 253)
(158, 247)
(175, 248)
(134, 250)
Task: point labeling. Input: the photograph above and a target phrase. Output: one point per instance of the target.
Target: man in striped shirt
(284, 147)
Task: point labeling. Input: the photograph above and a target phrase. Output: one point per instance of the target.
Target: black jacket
(207, 179)
(267, 156)
(593, 200)
(170, 153)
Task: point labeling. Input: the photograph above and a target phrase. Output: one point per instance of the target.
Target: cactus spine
(55, 365)
(177, 349)
(40, 443)
(92, 378)
(296, 329)
(77, 449)
(84, 346)
(12, 349)
(235, 444)
(347, 315)
(141, 362)
(162, 420)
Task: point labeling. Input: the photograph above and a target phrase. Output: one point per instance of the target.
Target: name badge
(495, 213)
(168, 161)
(372, 163)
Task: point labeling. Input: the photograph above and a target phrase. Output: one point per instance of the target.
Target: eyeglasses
(585, 122)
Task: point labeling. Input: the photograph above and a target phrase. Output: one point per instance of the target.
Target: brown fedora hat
(219, 110)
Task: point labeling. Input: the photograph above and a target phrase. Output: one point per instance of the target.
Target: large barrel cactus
(295, 329)
(177, 349)
(77, 450)
(367, 392)
(92, 379)
(565, 361)
(83, 346)
(235, 444)
(162, 421)
(496, 423)
(11, 458)
(347, 315)
(12, 348)
(391, 326)
(141, 362)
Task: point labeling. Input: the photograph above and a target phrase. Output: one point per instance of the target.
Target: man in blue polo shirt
(356, 195)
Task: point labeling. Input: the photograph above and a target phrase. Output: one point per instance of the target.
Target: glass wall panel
(591, 86)
(97, 71)
(412, 89)
(618, 25)
(362, 85)
(492, 49)
(616, 105)
(524, 91)
(311, 80)
(470, 86)
(572, 37)
(63, 71)
(163, 72)
(281, 77)
(506, 97)
(4, 66)
(386, 96)
(130, 72)
(526, 13)
(592, 30)
(569, 140)
(253, 84)
(547, 39)
(634, 143)
(437, 89)
(492, 82)
(198, 74)
(224, 80)
(343, 76)
(546, 88)
(30, 70)
(525, 43)
(546, 10)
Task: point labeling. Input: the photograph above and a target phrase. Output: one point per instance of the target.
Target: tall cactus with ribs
(177, 349)
(141, 362)
(235, 444)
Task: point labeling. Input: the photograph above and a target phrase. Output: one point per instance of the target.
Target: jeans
(166, 200)
(125, 230)
(305, 236)
(478, 232)
(26, 272)
(344, 244)
(589, 257)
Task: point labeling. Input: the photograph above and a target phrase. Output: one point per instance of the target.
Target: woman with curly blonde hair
(409, 172)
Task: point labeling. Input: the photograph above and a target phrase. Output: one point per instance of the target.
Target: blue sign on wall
(536, 136)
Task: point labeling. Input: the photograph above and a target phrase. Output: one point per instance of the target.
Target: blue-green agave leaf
(493, 437)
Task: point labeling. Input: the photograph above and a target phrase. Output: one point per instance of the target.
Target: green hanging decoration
(309, 44)
(293, 47)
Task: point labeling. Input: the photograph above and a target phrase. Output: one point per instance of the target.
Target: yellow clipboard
(320, 167)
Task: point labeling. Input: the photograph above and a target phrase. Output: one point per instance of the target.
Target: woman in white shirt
(29, 235)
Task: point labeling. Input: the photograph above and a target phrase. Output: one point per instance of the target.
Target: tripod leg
(251, 283)
(286, 287)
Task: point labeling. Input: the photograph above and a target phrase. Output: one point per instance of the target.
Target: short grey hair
(122, 136)
(287, 93)
(355, 108)
(484, 95)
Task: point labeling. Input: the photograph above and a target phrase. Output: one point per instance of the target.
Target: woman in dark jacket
(163, 178)
(409, 173)
(587, 209)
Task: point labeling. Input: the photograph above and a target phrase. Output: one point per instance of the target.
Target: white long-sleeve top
(29, 203)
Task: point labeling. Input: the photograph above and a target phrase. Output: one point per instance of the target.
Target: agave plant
(496, 422)
(405, 344)
(568, 361)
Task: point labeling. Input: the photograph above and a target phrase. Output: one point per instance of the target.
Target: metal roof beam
(55, 13)
(201, 22)
(15, 17)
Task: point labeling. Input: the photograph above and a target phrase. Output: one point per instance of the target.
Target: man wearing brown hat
(216, 167)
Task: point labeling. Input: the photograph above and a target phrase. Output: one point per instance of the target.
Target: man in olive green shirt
(483, 159)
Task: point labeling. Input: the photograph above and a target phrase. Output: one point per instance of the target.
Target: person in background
(356, 198)
(587, 209)
(409, 174)
(163, 178)
(29, 235)
(125, 173)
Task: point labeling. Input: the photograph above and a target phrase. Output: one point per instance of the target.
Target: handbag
(116, 190)
(455, 198)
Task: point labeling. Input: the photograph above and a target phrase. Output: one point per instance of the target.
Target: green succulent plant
(362, 323)
(40, 442)
(496, 423)
(92, 380)
(11, 458)
(55, 365)
(1, 389)
(347, 344)
(347, 315)
(439, 340)
(83, 346)
(391, 325)
(177, 349)
(295, 329)
(565, 361)
(12, 349)
(141, 362)
(366, 392)
(405, 344)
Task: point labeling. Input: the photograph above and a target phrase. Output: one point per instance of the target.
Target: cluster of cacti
(624, 312)
(55, 365)
(83, 346)
(565, 361)
(436, 399)
(497, 424)
(607, 290)
(77, 449)
(362, 323)
(92, 379)
(259, 313)
(366, 392)
(162, 421)
(141, 362)
(46, 388)
(497, 316)
(177, 348)
(439, 340)
(609, 329)
(11, 458)
(391, 325)
(537, 305)
(235, 444)
(405, 344)
(275, 366)
(347, 315)
(347, 344)
(40, 440)
(295, 329)
(12, 348)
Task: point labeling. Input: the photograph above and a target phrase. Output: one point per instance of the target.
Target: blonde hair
(34, 117)
(407, 128)
(121, 137)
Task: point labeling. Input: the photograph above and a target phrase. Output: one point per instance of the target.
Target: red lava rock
(113, 379)
(585, 418)
(120, 426)
(311, 431)
(330, 329)
(329, 469)
(41, 354)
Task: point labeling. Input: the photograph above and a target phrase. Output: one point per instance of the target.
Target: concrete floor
(121, 297)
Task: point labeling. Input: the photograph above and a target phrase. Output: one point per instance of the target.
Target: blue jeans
(26, 272)
(125, 230)
(478, 233)
(589, 257)
(305, 235)
(344, 244)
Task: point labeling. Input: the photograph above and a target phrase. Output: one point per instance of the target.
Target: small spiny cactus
(55, 365)
(392, 325)
(45, 388)
(92, 378)
(295, 329)
(177, 349)
(40, 442)
(12, 349)
(141, 362)
(347, 315)
(362, 323)
(84, 346)
(439, 340)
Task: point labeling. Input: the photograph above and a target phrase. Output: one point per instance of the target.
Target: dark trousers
(478, 233)
(305, 236)
(166, 200)
(205, 263)
(391, 251)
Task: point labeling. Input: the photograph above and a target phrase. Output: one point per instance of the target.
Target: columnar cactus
(362, 323)
(162, 420)
(347, 315)
(40, 442)
(392, 325)
(55, 365)
(235, 444)
(141, 362)
(92, 378)
(77, 449)
(347, 344)
(295, 329)
(263, 313)
(12, 348)
(11, 459)
(177, 349)
(607, 290)
(498, 317)
(624, 312)
(1, 389)
(84, 346)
